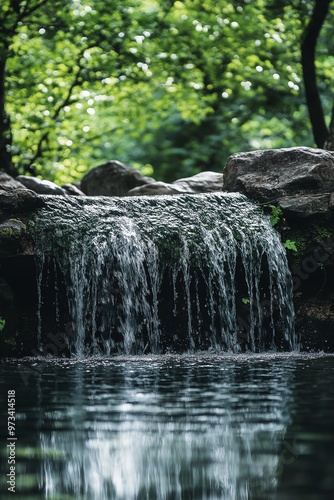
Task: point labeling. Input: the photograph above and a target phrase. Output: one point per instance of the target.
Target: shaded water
(158, 274)
(234, 427)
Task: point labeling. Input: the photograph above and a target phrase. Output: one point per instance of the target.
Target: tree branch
(65, 102)
(28, 11)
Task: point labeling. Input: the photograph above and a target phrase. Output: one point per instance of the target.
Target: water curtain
(162, 274)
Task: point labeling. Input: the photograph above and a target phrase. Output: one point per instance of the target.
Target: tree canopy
(167, 86)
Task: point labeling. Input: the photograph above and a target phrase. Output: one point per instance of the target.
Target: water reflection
(156, 427)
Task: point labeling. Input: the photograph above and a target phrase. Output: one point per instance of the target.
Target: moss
(322, 233)
(10, 341)
(6, 232)
(18, 223)
(308, 236)
(12, 229)
(2, 323)
(301, 239)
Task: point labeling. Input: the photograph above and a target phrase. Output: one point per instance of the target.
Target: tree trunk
(329, 144)
(308, 46)
(6, 163)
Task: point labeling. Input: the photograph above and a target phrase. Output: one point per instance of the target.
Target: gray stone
(72, 190)
(12, 199)
(306, 206)
(11, 232)
(156, 188)
(40, 186)
(271, 174)
(12, 229)
(112, 179)
(9, 182)
(204, 182)
(8, 200)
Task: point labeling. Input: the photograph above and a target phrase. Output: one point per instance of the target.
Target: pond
(227, 426)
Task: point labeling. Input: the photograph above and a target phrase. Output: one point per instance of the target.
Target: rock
(306, 206)
(8, 199)
(40, 186)
(204, 182)
(314, 320)
(12, 199)
(11, 232)
(112, 179)
(156, 188)
(9, 182)
(72, 190)
(6, 293)
(12, 229)
(271, 174)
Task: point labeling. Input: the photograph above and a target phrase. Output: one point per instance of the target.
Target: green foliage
(275, 218)
(172, 88)
(290, 245)
(276, 214)
(2, 323)
(321, 233)
(306, 238)
(245, 300)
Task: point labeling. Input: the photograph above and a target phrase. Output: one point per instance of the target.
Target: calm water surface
(171, 427)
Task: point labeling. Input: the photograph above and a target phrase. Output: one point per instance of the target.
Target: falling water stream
(160, 274)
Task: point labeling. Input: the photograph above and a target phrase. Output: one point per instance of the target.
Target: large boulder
(204, 182)
(271, 174)
(112, 179)
(40, 186)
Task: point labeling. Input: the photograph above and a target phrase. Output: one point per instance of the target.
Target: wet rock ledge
(295, 186)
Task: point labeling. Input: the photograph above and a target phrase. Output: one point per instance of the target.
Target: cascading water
(159, 274)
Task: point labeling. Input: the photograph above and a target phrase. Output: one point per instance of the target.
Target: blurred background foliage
(169, 87)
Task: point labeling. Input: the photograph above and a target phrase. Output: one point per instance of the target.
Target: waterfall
(162, 274)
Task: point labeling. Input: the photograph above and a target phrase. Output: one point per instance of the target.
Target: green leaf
(290, 245)
(2, 323)
(276, 213)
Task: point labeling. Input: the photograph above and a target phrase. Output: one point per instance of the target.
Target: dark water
(171, 427)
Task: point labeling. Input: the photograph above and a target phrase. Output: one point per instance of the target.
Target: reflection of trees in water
(168, 429)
